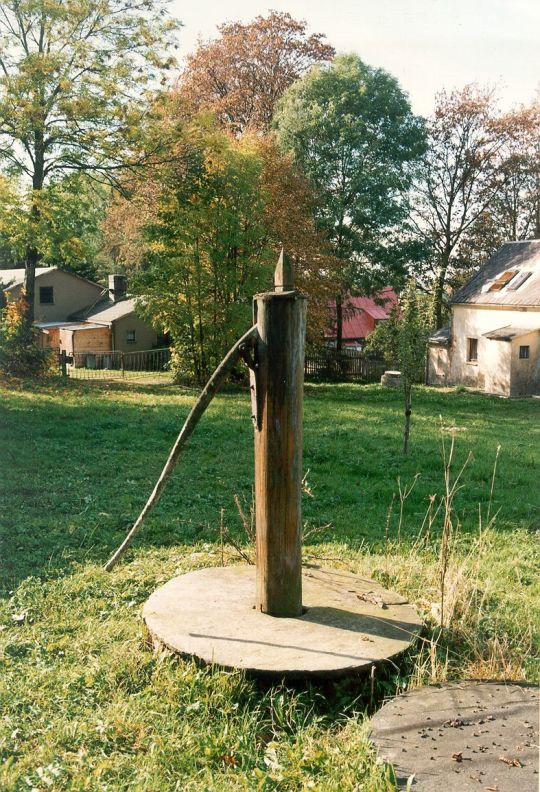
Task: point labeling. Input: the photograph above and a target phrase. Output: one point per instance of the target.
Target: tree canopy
(241, 75)
(478, 185)
(67, 232)
(70, 71)
(353, 133)
(203, 231)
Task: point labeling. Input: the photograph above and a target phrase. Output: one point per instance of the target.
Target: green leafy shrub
(20, 354)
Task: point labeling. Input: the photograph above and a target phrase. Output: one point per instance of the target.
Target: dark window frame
(132, 340)
(49, 290)
(524, 352)
(472, 350)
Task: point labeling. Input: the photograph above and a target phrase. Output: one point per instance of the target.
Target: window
(519, 280)
(46, 295)
(472, 350)
(502, 280)
(130, 337)
(524, 352)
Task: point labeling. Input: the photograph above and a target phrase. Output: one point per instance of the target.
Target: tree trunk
(407, 391)
(438, 295)
(32, 253)
(339, 322)
(30, 264)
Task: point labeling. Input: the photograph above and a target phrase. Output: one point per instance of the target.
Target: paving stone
(462, 737)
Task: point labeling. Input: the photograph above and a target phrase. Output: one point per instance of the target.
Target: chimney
(117, 287)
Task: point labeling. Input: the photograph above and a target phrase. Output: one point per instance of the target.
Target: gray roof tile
(518, 256)
(107, 311)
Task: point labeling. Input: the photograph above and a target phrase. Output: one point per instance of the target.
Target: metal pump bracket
(248, 353)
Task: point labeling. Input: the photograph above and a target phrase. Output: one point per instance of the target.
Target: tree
(514, 212)
(241, 75)
(459, 180)
(201, 234)
(288, 217)
(352, 132)
(402, 340)
(204, 258)
(517, 207)
(69, 72)
(68, 231)
(20, 353)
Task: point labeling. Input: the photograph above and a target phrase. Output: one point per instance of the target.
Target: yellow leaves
(157, 246)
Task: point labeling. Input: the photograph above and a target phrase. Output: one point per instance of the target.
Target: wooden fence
(329, 365)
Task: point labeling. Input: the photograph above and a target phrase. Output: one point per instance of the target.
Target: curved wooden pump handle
(211, 388)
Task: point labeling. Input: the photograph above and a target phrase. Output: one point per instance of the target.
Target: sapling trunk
(407, 391)
(339, 322)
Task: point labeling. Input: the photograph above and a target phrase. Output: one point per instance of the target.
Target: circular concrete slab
(350, 623)
(462, 737)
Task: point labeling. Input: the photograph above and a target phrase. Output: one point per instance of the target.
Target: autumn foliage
(478, 185)
(20, 355)
(241, 75)
(201, 234)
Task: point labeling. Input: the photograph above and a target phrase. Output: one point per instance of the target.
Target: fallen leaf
(510, 761)
(229, 759)
(375, 599)
(457, 756)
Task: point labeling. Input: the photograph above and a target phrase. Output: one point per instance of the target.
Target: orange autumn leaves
(205, 224)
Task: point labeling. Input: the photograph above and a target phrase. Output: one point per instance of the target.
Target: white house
(493, 340)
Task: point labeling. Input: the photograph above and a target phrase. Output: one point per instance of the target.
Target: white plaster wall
(526, 373)
(495, 366)
(493, 369)
(438, 365)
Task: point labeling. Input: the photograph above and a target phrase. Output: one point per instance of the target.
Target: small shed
(75, 337)
(79, 337)
(118, 312)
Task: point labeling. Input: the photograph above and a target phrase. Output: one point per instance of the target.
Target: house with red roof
(360, 317)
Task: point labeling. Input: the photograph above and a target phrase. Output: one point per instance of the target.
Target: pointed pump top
(284, 274)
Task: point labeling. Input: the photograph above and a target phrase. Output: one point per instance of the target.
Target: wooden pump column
(279, 381)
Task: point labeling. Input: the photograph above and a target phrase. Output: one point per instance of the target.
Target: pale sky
(426, 44)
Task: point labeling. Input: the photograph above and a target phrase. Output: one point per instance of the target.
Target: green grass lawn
(86, 704)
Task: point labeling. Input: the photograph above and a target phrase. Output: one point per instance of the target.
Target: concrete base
(349, 624)
(462, 737)
(391, 379)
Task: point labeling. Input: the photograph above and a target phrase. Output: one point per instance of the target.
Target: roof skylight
(519, 280)
(502, 280)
